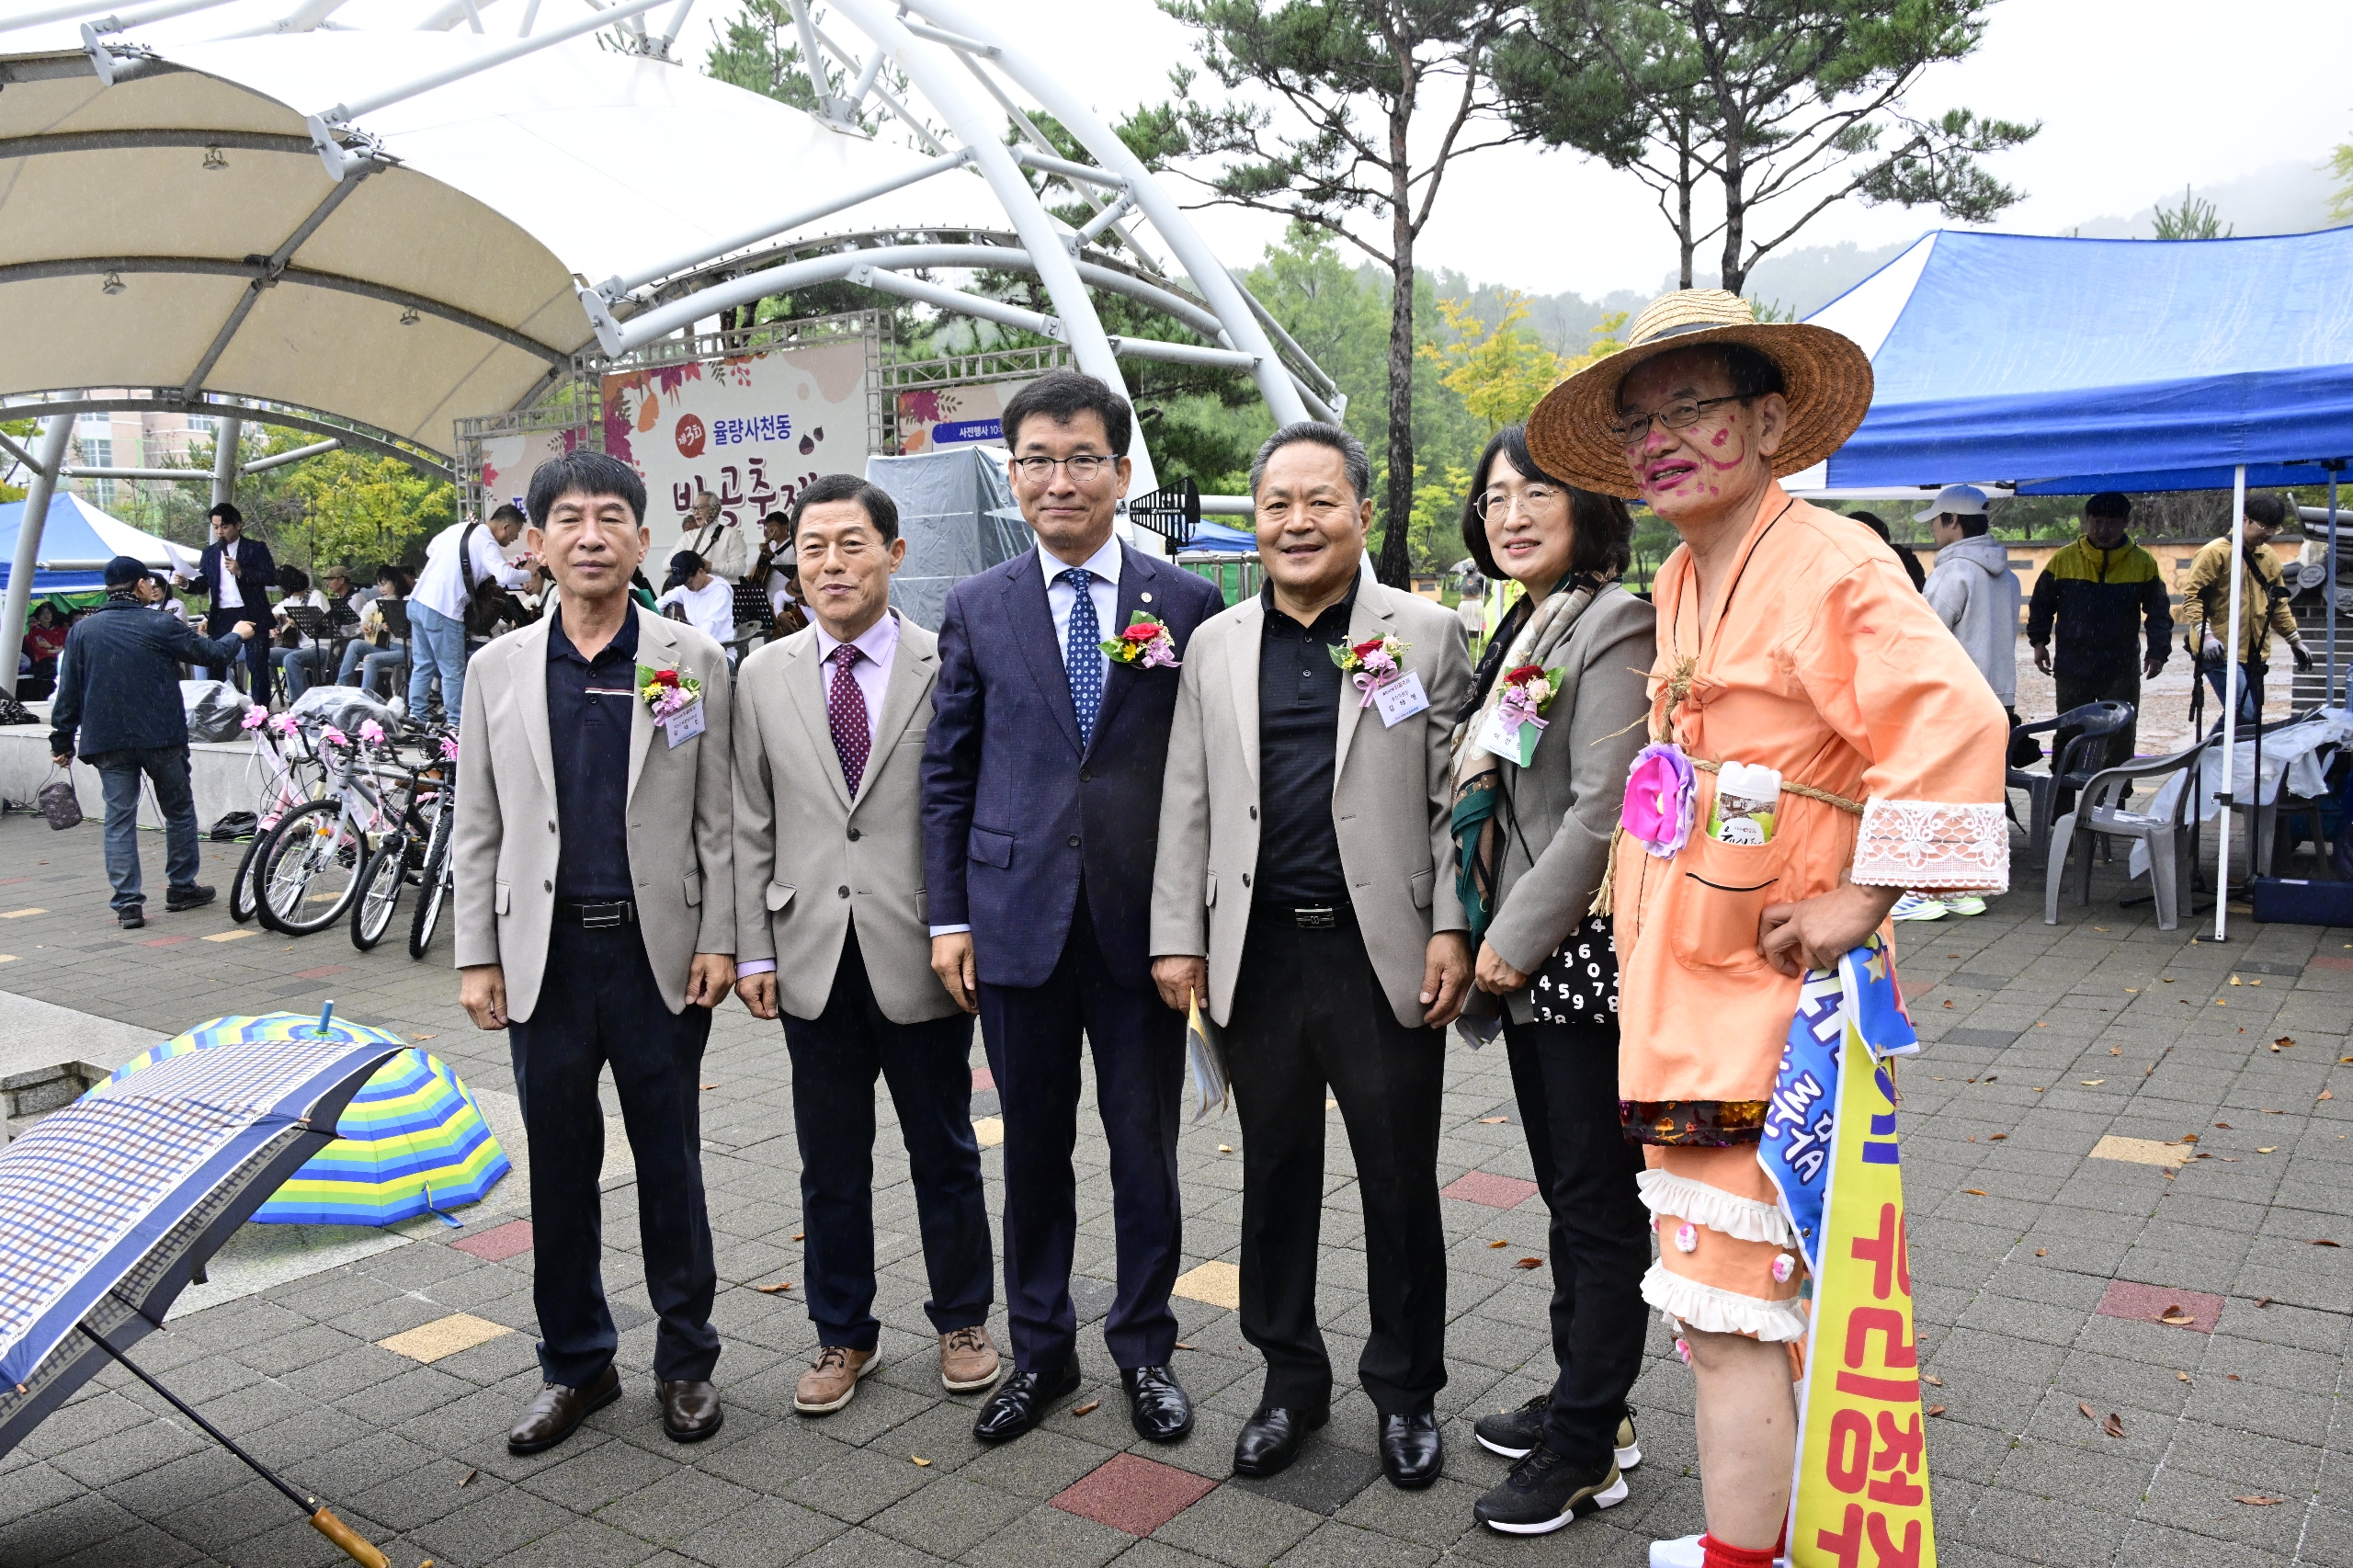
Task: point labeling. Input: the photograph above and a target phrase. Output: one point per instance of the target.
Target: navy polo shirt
(591, 706)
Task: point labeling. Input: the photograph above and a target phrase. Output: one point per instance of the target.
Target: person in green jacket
(2098, 590)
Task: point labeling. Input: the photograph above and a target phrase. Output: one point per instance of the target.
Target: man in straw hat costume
(1789, 638)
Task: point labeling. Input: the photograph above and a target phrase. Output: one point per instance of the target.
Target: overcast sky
(2137, 97)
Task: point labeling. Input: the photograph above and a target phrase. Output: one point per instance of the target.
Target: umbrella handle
(353, 1544)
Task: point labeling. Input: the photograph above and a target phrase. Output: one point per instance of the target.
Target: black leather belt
(1325, 916)
(598, 917)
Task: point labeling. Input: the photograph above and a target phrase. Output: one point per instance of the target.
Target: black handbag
(1578, 984)
(57, 802)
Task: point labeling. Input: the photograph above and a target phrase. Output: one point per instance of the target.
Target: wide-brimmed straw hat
(1827, 374)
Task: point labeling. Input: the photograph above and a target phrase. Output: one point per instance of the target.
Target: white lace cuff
(1689, 1303)
(1743, 1219)
(1933, 844)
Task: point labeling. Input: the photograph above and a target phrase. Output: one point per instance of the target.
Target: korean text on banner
(1861, 1494)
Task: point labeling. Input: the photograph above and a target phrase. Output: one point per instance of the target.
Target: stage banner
(931, 418)
(504, 464)
(754, 428)
(1830, 1145)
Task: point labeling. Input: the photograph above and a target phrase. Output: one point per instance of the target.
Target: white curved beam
(1207, 274)
(934, 69)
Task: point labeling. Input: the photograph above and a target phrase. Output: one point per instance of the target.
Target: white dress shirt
(711, 611)
(441, 587)
(232, 595)
(1061, 598)
(872, 673)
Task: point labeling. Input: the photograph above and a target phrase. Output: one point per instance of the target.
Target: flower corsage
(1662, 799)
(1147, 643)
(666, 693)
(1519, 723)
(1371, 663)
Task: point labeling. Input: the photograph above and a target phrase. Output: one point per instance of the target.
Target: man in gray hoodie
(1972, 588)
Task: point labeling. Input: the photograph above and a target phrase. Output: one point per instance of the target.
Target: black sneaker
(1516, 1432)
(1543, 1492)
(192, 897)
(131, 919)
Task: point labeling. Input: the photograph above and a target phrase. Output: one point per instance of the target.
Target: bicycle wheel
(245, 893)
(380, 892)
(433, 887)
(310, 872)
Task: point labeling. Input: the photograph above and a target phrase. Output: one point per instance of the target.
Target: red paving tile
(322, 972)
(498, 1244)
(1133, 1494)
(2330, 961)
(166, 941)
(1495, 1191)
(982, 1079)
(2148, 1303)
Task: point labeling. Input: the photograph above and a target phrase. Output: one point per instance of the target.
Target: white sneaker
(1965, 904)
(1684, 1551)
(1917, 907)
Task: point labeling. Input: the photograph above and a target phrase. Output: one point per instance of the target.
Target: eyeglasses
(1083, 469)
(1533, 500)
(1679, 415)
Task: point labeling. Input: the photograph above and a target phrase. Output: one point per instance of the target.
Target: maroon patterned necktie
(846, 716)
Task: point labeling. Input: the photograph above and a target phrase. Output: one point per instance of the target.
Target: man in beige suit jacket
(1304, 890)
(596, 910)
(834, 932)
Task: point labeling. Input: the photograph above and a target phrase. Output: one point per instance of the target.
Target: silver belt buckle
(603, 916)
(1317, 917)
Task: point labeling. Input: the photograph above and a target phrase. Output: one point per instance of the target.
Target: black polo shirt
(1300, 692)
(591, 705)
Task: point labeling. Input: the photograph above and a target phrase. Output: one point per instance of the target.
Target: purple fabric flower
(1662, 799)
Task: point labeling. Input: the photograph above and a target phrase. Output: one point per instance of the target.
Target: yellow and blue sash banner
(1861, 1494)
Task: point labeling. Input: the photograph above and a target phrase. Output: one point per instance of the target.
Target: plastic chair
(2071, 769)
(2099, 809)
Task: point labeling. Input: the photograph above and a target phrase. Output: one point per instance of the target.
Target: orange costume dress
(1822, 662)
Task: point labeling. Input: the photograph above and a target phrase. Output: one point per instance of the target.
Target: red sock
(1719, 1555)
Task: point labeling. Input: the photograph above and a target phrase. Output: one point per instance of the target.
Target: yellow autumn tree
(1501, 373)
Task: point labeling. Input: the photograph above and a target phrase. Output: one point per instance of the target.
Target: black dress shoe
(190, 897)
(1271, 1440)
(1157, 1403)
(1411, 1451)
(1022, 1401)
(131, 919)
(558, 1411)
(690, 1411)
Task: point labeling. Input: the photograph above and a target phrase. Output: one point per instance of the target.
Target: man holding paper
(1304, 890)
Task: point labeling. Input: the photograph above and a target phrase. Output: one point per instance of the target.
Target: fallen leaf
(2283, 1040)
(1991, 1076)
(468, 1479)
(2272, 1149)
(1182, 1346)
(2342, 1060)
(1530, 1263)
(2269, 1111)
(1935, 1410)
(2184, 1376)
(773, 1289)
(2236, 981)
(2233, 1375)
(1225, 1148)
(2263, 1300)
(711, 1085)
(2086, 1410)
(2255, 982)
(2113, 1425)
(1493, 1120)
(424, 1037)
(2189, 1137)
(920, 1461)
(2167, 979)
(2229, 1159)
(1997, 1137)
(2261, 1502)
(1932, 1379)
(1497, 1243)
(796, 1235)
(1976, 1192)
(2090, 1083)
(1087, 1409)
(2116, 1050)
(2223, 1125)
(2037, 1088)
(2100, 927)
(2039, 1252)
(2325, 1095)
(2348, 1059)
(2323, 1242)
(2175, 1316)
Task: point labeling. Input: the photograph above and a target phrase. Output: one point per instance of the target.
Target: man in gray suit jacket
(604, 937)
(1304, 890)
(834, 931)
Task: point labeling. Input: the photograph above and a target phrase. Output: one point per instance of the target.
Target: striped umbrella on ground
(411, 1141)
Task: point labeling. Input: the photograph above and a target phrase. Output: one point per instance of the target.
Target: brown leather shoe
(832, 1381)
(966, 1360)
(690, 1411)
(558, 1411)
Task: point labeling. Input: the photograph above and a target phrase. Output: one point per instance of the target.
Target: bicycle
(294, 773)
(370, 794)
(437, 878)
(407, 854)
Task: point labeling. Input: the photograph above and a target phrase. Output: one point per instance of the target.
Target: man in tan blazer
(596, 908)
(834, 933)
(1304, 890)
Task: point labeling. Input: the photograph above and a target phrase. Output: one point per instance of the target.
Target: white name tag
(1513, 743)
(685, 724)
(1400, 698)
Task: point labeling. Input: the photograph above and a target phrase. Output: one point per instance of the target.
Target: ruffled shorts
(1728, 1261)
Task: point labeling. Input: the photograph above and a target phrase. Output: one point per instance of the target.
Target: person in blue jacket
(118, 685)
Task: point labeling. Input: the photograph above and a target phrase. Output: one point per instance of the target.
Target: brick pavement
(2044, 1041)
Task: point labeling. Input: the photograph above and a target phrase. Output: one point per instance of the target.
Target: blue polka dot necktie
(1083, 653)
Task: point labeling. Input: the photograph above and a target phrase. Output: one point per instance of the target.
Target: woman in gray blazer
(1553, 721)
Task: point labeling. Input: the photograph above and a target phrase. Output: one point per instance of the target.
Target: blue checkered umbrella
(112, 1204)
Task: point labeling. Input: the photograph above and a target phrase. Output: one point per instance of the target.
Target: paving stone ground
(2043, 1040)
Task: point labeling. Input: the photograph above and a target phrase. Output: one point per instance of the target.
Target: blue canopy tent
(2062, 367)
(76, 542)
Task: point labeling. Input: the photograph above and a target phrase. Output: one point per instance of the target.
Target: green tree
(1353, 153)
(2194, 220)
(1796, 104)
(359, 510)
(20, 431)
(2340, 164)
